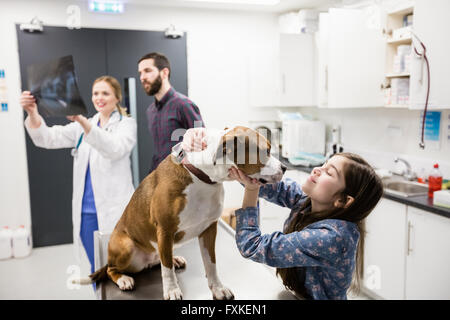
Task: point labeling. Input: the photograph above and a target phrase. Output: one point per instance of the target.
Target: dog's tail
(97, 277)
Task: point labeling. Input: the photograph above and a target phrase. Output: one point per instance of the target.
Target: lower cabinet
(384, 250)
(428, 256)
(406, 253)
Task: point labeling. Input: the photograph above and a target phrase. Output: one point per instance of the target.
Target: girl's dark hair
(364, 185)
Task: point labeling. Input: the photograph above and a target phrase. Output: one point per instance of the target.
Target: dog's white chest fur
(204, 204)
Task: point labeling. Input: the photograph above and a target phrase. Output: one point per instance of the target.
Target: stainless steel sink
(405, 188)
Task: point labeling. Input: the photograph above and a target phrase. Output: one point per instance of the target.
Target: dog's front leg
(207, 242)
(171, 290)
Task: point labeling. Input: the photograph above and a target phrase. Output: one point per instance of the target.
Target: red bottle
(434, 181)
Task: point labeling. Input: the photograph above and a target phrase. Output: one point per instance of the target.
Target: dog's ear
(222, 150)
(231, 147)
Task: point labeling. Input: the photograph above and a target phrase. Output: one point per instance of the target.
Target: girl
(102, 179)
(322, 247)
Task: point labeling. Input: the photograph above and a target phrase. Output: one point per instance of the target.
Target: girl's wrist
(252, 188)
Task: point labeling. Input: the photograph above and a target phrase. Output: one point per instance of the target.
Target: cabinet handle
(283, 82)
(326, 78)
(410, 227)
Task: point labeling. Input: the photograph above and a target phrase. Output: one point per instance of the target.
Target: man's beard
(154, 87)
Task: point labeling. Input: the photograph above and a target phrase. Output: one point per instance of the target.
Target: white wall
(380, 134)
(219, 45)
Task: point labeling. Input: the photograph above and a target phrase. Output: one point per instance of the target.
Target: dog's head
(249, 151)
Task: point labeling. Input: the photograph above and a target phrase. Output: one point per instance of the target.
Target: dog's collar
(197, 172)
(180, 158)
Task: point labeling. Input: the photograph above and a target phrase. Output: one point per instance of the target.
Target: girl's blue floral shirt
(325, 248)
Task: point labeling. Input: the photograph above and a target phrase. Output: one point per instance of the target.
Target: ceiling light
(256, 2)
(106, 6)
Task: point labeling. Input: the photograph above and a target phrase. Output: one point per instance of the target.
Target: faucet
(408, 174)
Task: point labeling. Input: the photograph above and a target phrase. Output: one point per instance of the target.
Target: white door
(428, 260)
(384, 250)
(356, 60)
(297, 64)
(432, 26)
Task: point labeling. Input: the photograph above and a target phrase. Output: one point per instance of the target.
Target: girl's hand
(250, 184)
(193, 140)
(28, 103)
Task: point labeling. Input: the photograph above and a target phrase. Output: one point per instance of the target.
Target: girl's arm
(285, 193)
(313, 246)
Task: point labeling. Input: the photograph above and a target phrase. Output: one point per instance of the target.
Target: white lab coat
(108, 151)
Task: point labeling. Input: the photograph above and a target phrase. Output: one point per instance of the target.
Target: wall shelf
(406, 40)
(399, 106)
(398, 75)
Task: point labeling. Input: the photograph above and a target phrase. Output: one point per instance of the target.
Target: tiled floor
(45, 275)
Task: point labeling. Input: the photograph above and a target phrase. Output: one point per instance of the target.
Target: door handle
(409, 249)
(130, 87)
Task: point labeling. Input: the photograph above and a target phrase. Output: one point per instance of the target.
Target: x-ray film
(54, 85)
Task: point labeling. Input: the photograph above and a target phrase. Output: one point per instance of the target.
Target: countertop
(421, 202)
(247, 280)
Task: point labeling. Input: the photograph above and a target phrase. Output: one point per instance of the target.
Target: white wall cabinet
(384, 250)
(428, 256)
(431, 24)
(263, 79)
(297, 66)
(351, 69)
(406, 253)
(287, 79)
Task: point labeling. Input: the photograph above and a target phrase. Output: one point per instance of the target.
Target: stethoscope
(74, 151)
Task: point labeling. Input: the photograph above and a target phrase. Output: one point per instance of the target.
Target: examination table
(248, 280)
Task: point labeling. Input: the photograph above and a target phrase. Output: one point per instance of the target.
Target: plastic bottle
(421, 176)
(21, 242)
(434, 181)
(6, 235)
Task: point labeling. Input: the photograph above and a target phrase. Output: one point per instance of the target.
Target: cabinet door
(431, 24)
(356, 60)
(384, 250)
(428, 259)
(263, 78)
(297, 65)
(322, 60)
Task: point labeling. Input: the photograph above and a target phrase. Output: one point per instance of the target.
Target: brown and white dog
(181, 201)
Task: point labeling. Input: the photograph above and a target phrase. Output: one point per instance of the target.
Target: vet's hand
(78, 118)
(28, 103)
(194, 140)
(250, 184)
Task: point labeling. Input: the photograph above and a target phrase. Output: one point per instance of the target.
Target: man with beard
(170, 111)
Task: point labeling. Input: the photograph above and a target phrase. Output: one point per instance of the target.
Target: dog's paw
(173, 294)
(222, 293)
(179, 262)
(125, 282)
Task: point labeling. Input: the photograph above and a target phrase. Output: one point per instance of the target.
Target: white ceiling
(281, 7)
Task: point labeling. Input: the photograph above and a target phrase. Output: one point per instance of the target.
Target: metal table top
(248, 280)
